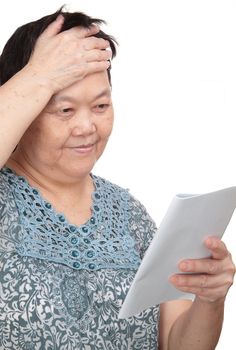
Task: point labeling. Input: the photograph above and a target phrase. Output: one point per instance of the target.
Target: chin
(79, 170)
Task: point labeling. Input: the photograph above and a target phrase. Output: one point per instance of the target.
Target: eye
(65, 111)
(102, 107)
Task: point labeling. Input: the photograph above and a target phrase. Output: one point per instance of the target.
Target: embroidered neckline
(48, 205)
(104, 241)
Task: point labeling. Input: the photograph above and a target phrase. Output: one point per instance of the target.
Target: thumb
(53, 28)
(217, 247)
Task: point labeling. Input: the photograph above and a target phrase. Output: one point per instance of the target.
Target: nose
(83, 124)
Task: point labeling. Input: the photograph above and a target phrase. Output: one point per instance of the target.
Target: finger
(97, 55)
(201, 280)
(208, 265)
(87, 68)
(83, 32)
(92, 43)
(79, 71)
(206, 292)
(217, 248)
(209, 294)
(53, 28)
(93, 29)
(94, 67)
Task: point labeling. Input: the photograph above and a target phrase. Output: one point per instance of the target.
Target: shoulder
(4, 187)
(139, 211)
(7, 199)
(118, 192)
(141, 224)
(111, 193)
(9, 224)
(101, 184)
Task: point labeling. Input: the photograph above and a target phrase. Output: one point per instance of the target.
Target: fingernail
(174, 279)
(184, 266)
(94, 25)
(59, 18)
(211, 243)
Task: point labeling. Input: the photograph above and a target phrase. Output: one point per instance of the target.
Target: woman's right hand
(61, 59)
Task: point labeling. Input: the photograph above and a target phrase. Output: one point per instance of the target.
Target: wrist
(218, 303)
(32, 75)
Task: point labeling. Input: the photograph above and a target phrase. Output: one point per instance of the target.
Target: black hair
(19, 47)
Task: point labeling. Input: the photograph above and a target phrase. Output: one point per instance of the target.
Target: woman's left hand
(209, 279)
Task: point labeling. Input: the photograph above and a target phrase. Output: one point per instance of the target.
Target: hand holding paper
(188, 221)
(210, 278)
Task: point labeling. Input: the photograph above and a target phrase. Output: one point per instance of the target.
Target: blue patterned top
(62, 286)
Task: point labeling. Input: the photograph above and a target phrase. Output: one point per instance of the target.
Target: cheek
(40, 139)
(106, 126)
(32, 138)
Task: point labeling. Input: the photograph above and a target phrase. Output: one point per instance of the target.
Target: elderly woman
(70, 241)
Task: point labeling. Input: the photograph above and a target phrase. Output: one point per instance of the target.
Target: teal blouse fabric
(62, 286)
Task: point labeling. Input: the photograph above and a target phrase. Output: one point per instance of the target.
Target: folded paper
(188, 221)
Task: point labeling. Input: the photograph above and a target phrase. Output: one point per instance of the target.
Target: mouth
(83, 149)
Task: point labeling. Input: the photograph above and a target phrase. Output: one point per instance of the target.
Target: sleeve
(3, 195)
(10, 228)
(141, 225)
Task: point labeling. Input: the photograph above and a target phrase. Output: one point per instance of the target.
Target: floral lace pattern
(50, 305)
(103, 242)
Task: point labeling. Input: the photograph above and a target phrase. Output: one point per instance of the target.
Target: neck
(52, 186)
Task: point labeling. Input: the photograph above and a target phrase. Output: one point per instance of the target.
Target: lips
(83, 149)
(85, 146)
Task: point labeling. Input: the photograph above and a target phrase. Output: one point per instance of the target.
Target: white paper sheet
(188, 221)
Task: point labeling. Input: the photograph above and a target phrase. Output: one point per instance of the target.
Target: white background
(174, 89)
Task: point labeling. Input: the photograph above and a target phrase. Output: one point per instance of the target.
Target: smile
(83, 149)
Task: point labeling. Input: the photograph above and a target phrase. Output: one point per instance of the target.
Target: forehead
(91, 87)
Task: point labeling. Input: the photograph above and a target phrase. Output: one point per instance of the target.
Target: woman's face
(72, 131)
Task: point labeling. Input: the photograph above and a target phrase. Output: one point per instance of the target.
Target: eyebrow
(104, 93)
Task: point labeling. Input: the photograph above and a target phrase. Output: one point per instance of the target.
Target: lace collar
(104, 241)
